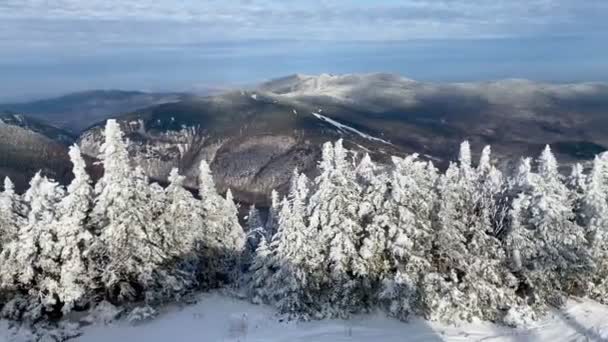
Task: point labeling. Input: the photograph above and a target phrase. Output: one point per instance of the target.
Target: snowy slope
(219, 318)
(342, 127)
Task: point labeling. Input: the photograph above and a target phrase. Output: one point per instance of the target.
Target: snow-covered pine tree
(488, 278)
(455, 221)
(234, 237)
(260, 273)
(225, 239)
(549, 248)
(471, 278)
(30, 260)
(255, 229)
(294, 285)
(184, 229)
(374, 217)
(282, 271)
(72, 237)
(334, 215)
(10, 220)
(406, 216)
(594, 213)
(272, 220)
(577, 184)
(125, 255)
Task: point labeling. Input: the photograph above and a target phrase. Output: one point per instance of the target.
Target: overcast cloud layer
(195, 21)
(42, 34)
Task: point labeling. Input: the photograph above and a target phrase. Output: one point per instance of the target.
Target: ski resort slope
(219, 318)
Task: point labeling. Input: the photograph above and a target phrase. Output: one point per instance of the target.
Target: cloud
(99, 43)
(194, 20)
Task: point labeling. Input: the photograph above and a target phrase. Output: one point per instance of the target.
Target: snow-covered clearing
(219, 318)
(343, 127)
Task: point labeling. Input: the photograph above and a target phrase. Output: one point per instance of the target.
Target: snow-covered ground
(342, 127)
(219, 318)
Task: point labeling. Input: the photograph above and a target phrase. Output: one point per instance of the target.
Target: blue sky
(50, 47)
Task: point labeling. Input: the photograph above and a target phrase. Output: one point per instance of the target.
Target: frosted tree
(334, 215)
(548, 246)
(577, 184)
(125, 254)
(29, 260)
(221, 213)
(594, 213)
(225, 239)
(272, 220)
(406, 217)
(116, 176)
(233, 234)
(490, 188)
(181, 222)
(294, 286)
(72, 237)
(471, 278)
(260, 273)
(255, 229)
(375, 216)
(10, 220)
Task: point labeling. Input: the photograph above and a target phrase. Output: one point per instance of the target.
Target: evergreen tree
(72, 237)
(184, 229)
(272, 221)
(30, 260)
(594, 213)
(551, 258)
(472, 279)
(294, 286)
(407, 220)
(260, 273)
(10, 220)
(334, 215)
(126, 254)
(255, 229)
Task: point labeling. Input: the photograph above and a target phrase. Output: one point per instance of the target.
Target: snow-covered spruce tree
(286, 273)
(577, 184)
(333, 212)
(72, 237)
(547, 246)
(406, 218)
(225, 239)
(30, 261)
(471, 278)
(374, 217)
(126, 254)
(255, 230)
(10, 220)
(272, 221)
(259, 274)
(294, 285)
(180, 220)
(594, 208)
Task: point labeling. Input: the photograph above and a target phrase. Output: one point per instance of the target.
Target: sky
(48, 47)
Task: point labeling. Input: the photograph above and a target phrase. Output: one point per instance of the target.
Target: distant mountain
(28, 145)
(77, 111)
(255, 138)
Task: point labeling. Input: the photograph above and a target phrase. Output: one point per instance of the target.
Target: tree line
(469, 242)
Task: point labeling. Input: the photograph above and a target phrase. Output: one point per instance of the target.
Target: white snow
(254, 96)
(219, 318)
(432, 158)
(295, 112)
(343, 127)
